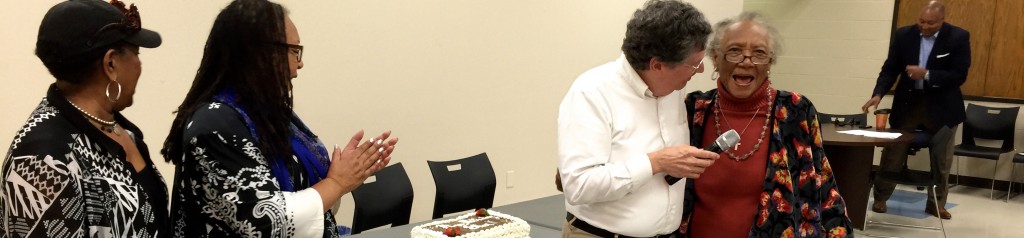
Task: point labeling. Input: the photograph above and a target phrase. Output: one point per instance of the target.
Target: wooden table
(851, 157)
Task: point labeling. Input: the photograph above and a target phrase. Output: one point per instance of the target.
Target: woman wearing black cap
(78, 167)
(246, 165)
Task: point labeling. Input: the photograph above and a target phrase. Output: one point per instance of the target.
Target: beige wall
(834, 51)
(451, 78)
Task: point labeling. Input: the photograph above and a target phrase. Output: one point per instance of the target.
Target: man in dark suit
(931, 58)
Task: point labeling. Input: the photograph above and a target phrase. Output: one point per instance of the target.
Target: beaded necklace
(108, 126)
(764, 129)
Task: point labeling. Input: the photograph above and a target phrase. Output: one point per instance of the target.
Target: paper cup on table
(881, 118)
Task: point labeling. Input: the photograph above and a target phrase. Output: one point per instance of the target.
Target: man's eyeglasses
(758, 58)
(294, 48)
(695, 68)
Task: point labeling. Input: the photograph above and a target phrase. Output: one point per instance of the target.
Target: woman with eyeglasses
(79, 167)
(246, 165)
(777, 181)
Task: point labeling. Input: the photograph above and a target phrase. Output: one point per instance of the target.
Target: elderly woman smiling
(777, 181)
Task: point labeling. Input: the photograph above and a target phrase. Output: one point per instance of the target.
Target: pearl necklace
(108, 126)
(764, 129)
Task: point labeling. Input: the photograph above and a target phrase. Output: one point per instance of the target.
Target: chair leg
(1013, 168)
(935, 195)
(1010, 189)
(941, 227)
(991, 193)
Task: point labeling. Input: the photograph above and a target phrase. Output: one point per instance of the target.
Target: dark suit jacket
(947, 65)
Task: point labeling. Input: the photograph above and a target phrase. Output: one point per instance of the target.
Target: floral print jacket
(800, 197)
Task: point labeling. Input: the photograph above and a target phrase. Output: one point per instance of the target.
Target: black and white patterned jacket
(224, 188)
(63, 177)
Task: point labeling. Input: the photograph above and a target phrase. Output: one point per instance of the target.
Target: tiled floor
(975, 215)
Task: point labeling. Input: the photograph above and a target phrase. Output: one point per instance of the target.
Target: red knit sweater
(728, 191)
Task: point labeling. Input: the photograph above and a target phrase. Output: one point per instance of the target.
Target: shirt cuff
(307, 212)
(639, 170)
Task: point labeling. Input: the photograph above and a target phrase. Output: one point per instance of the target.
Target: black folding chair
(387, 200)
(1017, 159)
(843, 120)
(990, 123)
(463, 184)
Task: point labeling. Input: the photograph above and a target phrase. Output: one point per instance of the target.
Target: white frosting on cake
(515, 228)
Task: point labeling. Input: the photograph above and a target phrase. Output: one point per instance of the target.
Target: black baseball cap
(74, 27)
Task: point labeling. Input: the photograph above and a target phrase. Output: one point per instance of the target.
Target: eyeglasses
(294, 49)
(695, 68)
(758, 58)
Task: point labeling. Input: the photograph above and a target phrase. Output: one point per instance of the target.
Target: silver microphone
(728, 139)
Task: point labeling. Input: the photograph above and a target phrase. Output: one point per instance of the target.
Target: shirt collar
(936, 36)
(633, 79)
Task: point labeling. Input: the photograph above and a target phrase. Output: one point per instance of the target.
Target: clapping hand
(352, 164)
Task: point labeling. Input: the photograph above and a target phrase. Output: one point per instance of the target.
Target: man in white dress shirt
(622, 128)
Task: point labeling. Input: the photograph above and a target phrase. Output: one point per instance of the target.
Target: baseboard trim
(969, 181)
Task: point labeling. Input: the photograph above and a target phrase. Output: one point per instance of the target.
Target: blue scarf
(305, 146)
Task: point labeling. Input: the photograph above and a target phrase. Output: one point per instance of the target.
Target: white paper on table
(874, 134)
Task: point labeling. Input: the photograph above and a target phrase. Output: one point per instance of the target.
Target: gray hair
(774, 38)
(666, 30)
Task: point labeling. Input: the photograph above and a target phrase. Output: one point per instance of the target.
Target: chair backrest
(861, 119)
(937, 149)
(388, 200)
(463, 184)
(993, 123)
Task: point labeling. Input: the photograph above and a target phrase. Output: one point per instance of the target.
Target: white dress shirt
(607, 123)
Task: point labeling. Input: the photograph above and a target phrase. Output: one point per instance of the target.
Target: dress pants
(894, 157)
(570, 231)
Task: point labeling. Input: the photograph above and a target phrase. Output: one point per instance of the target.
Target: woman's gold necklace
(764, 129)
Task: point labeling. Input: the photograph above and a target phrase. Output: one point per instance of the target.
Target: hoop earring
(107, 91)
(714, 75)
